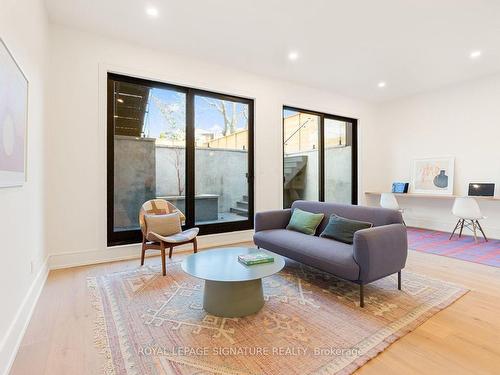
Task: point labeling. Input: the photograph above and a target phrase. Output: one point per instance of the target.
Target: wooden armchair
(174, 236)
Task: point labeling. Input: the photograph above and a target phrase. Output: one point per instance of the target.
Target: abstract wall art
(13, 120)
(433, 175)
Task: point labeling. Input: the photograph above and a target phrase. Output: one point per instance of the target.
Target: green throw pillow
(342, 229)
(304, 222)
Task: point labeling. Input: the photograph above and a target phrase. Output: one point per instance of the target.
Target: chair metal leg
(399, 280)
(461, 229)
(163, 261)
(454, 230)
(361, 296)
(481, 229)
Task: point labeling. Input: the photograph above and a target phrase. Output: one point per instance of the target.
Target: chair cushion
(304, 222)
(184, 236)
(342, 229)
(322, 253)
(163, 225)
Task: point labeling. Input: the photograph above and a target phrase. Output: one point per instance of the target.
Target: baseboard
(116, 253)
(15, 333)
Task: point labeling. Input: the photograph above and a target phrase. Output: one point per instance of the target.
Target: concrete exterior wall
(338, 171)
(311, 188)
(135, 178)
(170, 170)
(218, 171)
(337, 174)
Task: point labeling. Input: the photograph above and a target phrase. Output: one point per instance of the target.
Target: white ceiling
(347, 46)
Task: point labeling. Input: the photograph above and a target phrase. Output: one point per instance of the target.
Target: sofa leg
(361, 296)
(399, 280)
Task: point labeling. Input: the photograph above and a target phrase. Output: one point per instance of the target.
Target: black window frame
(321, 152)
(116, 238)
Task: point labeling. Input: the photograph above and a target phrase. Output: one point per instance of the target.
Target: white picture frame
(434, 176)
(14, 88)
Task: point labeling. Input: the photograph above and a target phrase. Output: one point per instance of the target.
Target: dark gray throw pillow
(342, 229)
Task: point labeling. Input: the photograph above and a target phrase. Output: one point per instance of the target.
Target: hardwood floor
(462, 339)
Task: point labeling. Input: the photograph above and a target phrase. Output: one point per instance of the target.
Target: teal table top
(222, 265)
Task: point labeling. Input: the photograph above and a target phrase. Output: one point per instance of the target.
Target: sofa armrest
(380, 251)
(274, 219)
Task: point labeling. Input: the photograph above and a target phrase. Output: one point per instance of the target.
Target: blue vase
(441, 180)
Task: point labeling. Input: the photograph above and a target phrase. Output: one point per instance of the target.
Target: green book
(255, 258)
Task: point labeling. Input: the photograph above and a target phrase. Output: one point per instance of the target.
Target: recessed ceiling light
(382, 84)
(294, 55)
(475, 54)
(152, 12)
(119, 100)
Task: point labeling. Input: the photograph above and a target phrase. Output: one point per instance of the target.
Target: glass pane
(149, 144)
(338, 161)
(221, 160)
(300, 166)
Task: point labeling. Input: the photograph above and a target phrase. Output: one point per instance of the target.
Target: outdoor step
(239, 211)
(298, 158)
(242, 204)
(245, 198)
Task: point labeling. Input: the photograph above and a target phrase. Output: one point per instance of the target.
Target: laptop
(481, 190)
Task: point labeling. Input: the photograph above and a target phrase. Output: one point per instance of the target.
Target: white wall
(461, 121)
(76, 148)
(23, 27)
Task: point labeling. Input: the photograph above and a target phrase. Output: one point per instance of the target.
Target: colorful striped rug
(464, 248)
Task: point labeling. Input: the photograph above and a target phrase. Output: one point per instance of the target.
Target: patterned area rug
(311, 322)
(464, 248)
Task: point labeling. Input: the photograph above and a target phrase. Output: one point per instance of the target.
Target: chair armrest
(380, 251)
(274, 219)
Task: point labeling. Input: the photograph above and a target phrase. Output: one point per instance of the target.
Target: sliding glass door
(221, 167)
(338, 160)
(190, 147)
(301, 146)
(319, 157)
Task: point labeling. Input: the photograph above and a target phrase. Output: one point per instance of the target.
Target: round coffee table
(231, 288)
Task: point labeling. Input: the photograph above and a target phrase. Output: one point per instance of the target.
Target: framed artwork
(13, 120)
(433, 175)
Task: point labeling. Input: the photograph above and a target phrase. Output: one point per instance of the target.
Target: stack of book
(255, 258)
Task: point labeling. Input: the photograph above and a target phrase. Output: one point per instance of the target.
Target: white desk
(433, 211)
(432, 196)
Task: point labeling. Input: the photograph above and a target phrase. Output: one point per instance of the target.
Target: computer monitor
(481, 190)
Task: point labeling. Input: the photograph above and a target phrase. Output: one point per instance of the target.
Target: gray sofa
(377, 252)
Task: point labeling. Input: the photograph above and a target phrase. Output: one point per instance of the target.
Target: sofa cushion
(322, 253)
(342, 229)
(376, 215)
(304, 222)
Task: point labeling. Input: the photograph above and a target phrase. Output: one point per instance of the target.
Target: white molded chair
(468, 212)
(388, 200)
